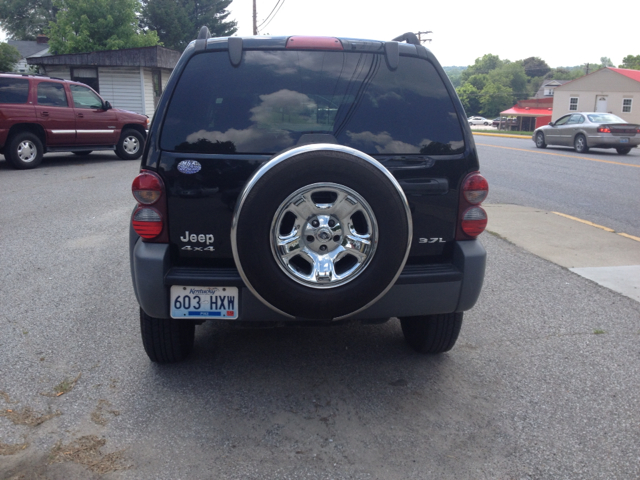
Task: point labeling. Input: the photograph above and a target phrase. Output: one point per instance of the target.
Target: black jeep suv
(307, 180)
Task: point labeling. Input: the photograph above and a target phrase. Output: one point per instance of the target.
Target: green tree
(631, 61)
(535, 67)
(495, 98)
(478, 81)
(93, 25)
(485, 65)
(470, 98)
(9, 56)
(25, 19)
(511, 75)
(178, 21)
(605, 62)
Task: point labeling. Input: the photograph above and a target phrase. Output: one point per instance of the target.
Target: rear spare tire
(321, 232)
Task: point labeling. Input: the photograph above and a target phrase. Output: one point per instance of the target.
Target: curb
(501, 135)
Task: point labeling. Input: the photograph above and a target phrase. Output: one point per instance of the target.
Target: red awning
(528, 112)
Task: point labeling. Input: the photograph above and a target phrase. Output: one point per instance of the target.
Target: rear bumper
(420, 290)
(612, 141)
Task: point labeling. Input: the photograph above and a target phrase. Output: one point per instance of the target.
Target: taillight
(474, 221)
(604, 130)
(475, 188)
(147, 188)
(147, 222)
(472, 218)
(314, 43)
(150, 222)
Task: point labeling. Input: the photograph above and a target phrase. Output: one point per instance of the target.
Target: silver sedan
(586, 130)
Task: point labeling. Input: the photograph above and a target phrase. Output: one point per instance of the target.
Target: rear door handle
(44, 114)
(80, 115)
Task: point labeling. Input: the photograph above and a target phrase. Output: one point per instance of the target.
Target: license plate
(624, 140)
(204, 302)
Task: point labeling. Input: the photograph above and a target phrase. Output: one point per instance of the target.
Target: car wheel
(166, 340)
(25, 151)
(321, 232)
(432, 333)
(540, 143)
(623, 150)
(130, 145)
(486, 123)
(580, 144)
(83, 153)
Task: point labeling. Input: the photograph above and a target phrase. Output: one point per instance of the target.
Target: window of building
(573, 103)
(626, 105)
(86, 75)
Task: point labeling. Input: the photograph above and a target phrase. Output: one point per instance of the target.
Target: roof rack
(408, 37)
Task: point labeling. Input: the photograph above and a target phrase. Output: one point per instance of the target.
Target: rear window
(14, 90)
(273, 98)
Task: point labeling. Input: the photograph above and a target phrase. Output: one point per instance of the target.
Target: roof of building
(156, 56)
(632, 74)
(527, 112)
(28, 48)
(548, 83)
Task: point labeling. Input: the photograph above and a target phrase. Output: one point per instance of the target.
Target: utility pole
(255, 19)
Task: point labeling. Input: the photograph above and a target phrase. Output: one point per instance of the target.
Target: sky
(562, 33)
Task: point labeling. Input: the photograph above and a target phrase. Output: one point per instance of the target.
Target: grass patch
(502, 132)
(598, 332)
(98, 415)
(27, 416)
(86, 451)
(63, 387)
(9, 449)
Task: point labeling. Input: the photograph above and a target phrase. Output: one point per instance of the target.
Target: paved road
(600, 186)
(543, 384)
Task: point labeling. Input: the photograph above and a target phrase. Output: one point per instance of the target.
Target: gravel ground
(543, 384)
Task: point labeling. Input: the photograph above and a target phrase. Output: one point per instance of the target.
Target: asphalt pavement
(543, 383)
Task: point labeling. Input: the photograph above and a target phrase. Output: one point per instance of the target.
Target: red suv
(43, 114)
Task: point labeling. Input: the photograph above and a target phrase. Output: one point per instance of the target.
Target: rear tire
(166, 340)
(540, 143)
(623, 150)
(580, 144)
(432, 333)
(130, 145)
(25, 151)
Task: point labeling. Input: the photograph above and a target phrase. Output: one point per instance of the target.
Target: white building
(613, 90)
(131, 79)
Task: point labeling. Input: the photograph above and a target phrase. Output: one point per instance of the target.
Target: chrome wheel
(27, 151)
(130, 145)
(324, 235)
(580, 144)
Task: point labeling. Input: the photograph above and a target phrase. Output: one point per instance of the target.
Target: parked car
(307, 180)
(585, 130)
(43, 114)
(478, 121)
(505, 122)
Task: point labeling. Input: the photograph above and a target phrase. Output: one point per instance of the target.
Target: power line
(272, 15)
